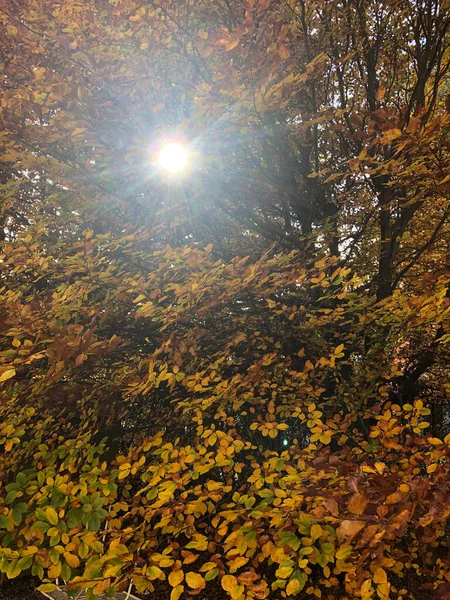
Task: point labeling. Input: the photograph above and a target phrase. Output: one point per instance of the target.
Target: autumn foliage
(231, 382)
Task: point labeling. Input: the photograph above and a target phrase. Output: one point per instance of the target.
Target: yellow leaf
(365, 588)
(380, 467)
(384, 590)
(195, 580)
(210, 565)
(325, 438)
(101, 587)
(52, 515)
(432, 468)
(7, 374)
(176, 577)
(176, 592)
(54, 571)
(316, 531)
(229, 582)
(391, 134)
(284, 572)
(366, 469)
(72, 560)
(344, 551)
(237, 591)
(154, 572)
(339, 349)
(236, 563)
(47, 587)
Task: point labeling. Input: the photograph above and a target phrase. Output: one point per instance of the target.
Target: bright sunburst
(173, 157)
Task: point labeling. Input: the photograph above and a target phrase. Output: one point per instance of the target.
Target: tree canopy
(233, 380)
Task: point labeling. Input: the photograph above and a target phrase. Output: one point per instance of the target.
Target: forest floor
(20, 589)
(24, 588)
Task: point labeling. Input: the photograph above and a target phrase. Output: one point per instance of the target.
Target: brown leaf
(367, 535)
(353, 484)
(284, 52)
(80, 359)
(332, 506)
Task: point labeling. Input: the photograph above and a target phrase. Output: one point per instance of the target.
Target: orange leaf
(350, 528)
(357, 504)
(380, 576)
(394, 498)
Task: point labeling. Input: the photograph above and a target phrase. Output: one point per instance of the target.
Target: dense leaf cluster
(236, 376)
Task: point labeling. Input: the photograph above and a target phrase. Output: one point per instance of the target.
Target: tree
(224, 379)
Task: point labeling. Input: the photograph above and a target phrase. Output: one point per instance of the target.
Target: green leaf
(3, 521)
(10, 497)
(211, 574)
(13, 570)
(250, 536)
(25, 563)
(65, 571)
(17, 516)
(21, 480)
(73, 517)
(288, 538)
(93, 523)
(42, 525)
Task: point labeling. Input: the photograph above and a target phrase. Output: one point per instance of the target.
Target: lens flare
(173, 157)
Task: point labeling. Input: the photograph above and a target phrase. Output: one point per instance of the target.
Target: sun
(173, 157)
